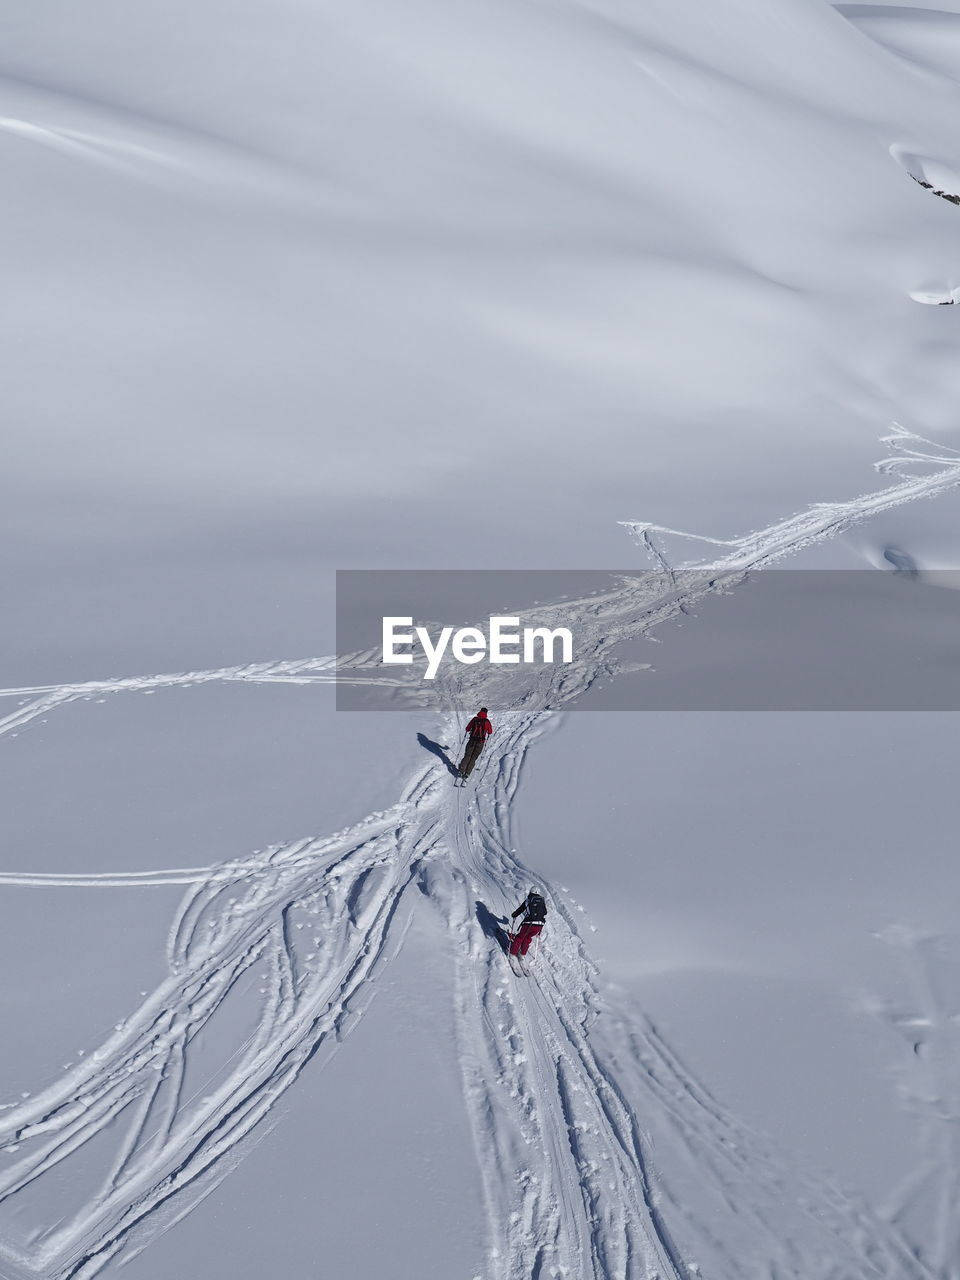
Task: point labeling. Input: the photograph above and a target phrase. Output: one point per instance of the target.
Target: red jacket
(479, 727)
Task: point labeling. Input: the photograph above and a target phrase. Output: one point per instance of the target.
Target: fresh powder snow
(293, 288)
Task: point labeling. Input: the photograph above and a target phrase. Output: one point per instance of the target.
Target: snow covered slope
(295, 287)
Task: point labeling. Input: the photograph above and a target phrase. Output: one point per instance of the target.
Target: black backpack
(536, 909)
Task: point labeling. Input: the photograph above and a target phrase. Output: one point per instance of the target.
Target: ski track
(569, 1091)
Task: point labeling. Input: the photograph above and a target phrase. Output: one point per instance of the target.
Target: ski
(516, 962)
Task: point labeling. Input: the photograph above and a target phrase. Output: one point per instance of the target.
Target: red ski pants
(523, 937)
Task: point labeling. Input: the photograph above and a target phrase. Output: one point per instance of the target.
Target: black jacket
(534, 910)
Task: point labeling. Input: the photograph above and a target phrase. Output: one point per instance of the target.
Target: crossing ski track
(601, 1156)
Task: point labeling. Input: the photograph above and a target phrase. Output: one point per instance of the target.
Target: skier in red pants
(534, 912)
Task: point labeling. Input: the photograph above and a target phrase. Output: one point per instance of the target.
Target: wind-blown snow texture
(297, 287)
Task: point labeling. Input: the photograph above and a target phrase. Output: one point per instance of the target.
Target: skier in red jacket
(477, 732)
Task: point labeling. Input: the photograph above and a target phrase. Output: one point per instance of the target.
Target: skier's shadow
(437, 750)
(492, 928)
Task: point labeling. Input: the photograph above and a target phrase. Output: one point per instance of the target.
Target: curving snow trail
(569, 1093)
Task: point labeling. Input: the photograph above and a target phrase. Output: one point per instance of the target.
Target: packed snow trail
(629, 610)
(585, 1206)
(346, 893)
(558, 1066)
(564, 1089)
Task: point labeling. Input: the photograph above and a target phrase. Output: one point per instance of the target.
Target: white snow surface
(299, 287)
